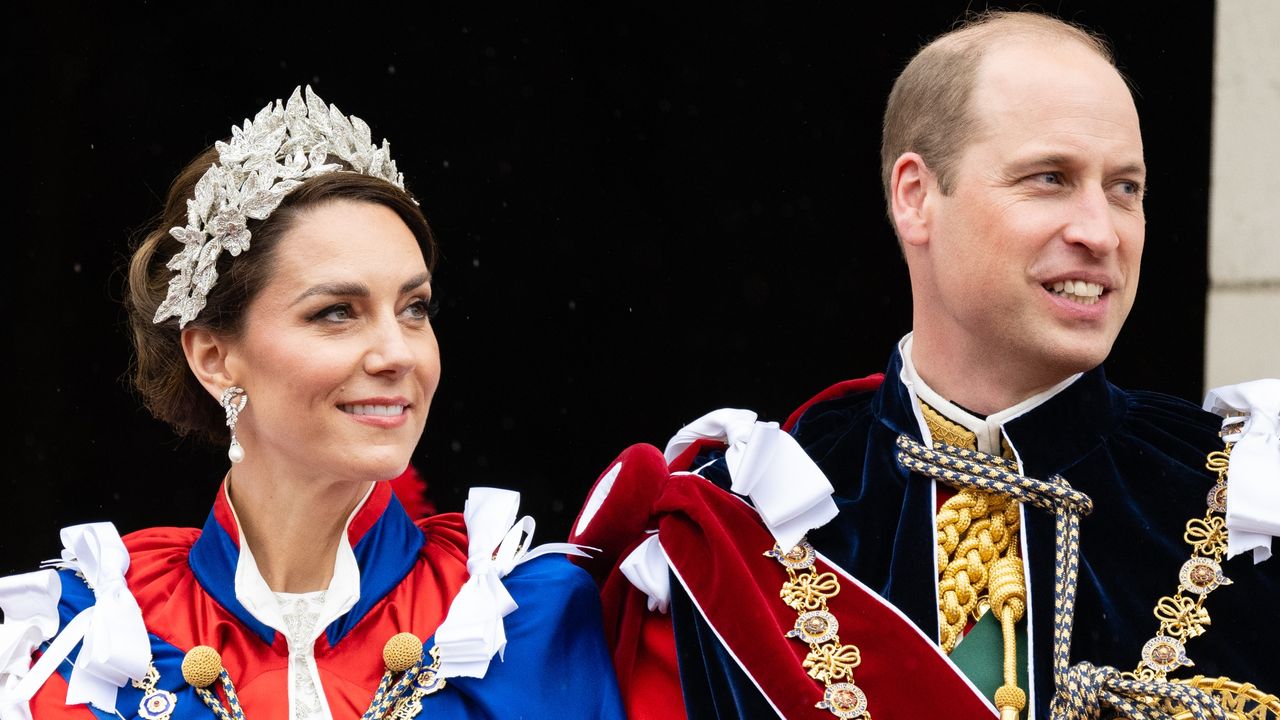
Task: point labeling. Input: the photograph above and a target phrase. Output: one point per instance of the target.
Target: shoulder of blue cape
(555, 653)
(556, 663)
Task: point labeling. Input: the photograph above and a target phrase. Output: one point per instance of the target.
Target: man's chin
(1070, 358)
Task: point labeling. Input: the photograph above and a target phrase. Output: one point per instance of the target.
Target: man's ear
(207, 354)
(910, 187)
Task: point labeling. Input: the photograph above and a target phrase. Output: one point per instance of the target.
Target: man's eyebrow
(1131, 169)
(1058, 159)
(1045, 160)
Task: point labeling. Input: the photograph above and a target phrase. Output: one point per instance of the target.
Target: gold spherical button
(402, 651)
(201, 666)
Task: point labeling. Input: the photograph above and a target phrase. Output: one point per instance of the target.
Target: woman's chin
(379, 467)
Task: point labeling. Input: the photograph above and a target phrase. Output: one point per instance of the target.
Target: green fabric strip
(980, 655)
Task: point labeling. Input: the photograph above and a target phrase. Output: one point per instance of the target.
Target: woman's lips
(378, 412)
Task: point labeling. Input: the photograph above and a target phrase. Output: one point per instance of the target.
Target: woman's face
(337, 355)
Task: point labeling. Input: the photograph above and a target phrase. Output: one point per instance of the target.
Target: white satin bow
(765, 463)
(1253, 500)
(116, 648)
(473, 631)
(30, 605)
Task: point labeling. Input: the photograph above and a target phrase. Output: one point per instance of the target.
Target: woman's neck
(292, 525)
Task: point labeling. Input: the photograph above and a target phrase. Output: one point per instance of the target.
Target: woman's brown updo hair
(168, 387)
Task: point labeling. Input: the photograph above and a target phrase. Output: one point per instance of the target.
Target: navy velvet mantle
(1140, 456)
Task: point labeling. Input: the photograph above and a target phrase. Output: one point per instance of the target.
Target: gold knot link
(1218, 461)
(1208, 536)
(809, 591)
(832, 661)
(1180, 617)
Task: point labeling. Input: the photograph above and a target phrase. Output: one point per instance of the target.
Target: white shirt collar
(989, 431)
(253, 592)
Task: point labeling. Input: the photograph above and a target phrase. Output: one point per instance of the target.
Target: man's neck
(985, 424)
(984, 388)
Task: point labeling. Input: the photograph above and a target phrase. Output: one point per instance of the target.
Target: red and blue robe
(555, 664)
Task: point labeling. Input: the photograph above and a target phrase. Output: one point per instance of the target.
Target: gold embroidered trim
(806, 591)
(943, 430)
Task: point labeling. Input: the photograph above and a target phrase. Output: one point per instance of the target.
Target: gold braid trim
(978, 563)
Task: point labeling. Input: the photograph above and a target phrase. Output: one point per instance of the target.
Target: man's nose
(1092, 223)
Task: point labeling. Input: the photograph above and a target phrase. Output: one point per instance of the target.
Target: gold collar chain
(806, 591)
(1183, 615)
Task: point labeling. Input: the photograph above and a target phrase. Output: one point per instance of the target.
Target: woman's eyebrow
(343, 289)
(356, 289)
(415, 282)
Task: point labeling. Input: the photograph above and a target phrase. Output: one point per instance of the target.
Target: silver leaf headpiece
(269, 156)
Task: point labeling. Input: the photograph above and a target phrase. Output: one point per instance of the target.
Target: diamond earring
(233, 401)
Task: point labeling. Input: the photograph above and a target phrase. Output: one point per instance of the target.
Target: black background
(645, 214)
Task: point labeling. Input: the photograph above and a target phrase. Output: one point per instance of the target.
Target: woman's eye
(334, 313)
(423, 308)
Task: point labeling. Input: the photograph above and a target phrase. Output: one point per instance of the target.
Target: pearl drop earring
(233, 401)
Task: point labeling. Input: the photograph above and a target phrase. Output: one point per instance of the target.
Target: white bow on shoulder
(473, 631)
(30, 605)
(765, 463)
(116, 648)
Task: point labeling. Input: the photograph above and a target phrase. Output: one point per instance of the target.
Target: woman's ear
(207, 354)
(910, 188)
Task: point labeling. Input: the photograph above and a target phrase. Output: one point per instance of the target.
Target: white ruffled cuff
(1251, 413)
(647, 569)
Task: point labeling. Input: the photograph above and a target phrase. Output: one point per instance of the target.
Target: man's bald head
(929, 109)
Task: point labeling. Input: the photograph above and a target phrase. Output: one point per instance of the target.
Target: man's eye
(1049, 178)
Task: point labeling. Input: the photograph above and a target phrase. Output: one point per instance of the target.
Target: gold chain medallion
(829, 661)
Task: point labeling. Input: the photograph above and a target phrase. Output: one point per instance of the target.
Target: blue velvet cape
(1139, 455)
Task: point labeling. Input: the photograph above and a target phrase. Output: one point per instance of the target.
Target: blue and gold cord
(1083, 690)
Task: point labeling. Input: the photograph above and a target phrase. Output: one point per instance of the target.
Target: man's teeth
(1085, 293)
(386, 410)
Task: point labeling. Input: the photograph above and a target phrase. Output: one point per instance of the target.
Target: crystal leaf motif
(266, 158)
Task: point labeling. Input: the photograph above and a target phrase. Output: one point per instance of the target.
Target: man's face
(1034, 255)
